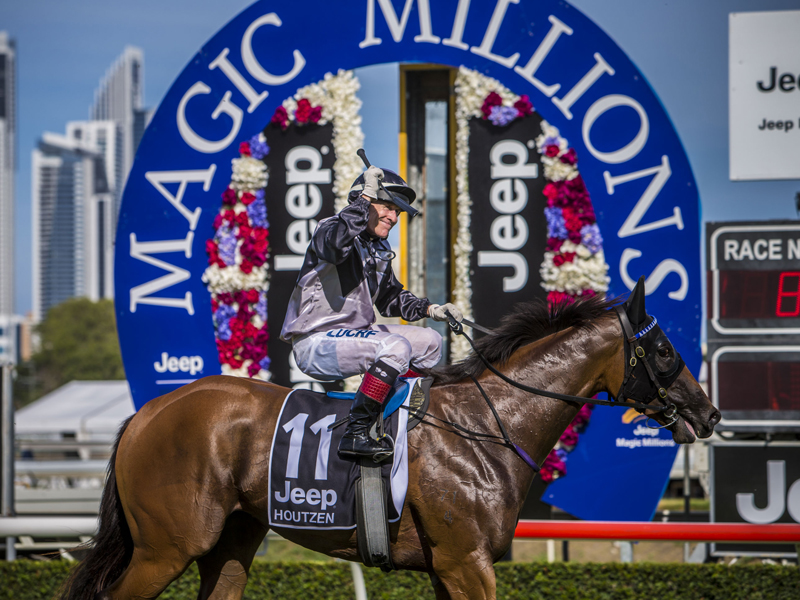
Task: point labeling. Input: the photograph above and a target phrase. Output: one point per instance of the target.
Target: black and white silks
(346, 274)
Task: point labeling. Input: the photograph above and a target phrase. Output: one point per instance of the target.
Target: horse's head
(656, 374)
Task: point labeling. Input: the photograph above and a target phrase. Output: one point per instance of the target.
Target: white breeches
(342, 353)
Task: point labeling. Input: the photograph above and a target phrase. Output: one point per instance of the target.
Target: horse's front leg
(457, 553)
(471, 576)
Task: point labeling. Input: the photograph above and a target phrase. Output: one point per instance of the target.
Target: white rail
(61, 468)
(48, 526)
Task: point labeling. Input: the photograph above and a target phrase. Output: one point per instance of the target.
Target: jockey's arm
(394, 301)
(333, 239)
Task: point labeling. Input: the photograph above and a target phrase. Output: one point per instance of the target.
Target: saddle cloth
(310, 486)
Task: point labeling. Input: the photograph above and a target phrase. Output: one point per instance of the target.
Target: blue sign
(617, 451)
(579, 80)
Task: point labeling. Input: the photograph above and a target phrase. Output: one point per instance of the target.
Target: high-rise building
(8, 159)
(120, 98)
(78, 179)
(8, 167)
(73, 214)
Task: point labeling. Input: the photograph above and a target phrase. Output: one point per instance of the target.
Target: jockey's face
(383, 216)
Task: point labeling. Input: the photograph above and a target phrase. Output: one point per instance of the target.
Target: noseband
(644, 381)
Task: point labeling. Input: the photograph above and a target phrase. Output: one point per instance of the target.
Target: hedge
(30, 580)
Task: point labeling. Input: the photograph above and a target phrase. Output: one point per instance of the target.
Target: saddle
(312, 487)
(418, 403)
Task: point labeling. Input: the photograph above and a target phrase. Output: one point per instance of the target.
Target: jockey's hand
(439, 313)
(372, 179)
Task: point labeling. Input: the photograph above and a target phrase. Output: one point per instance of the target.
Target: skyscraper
(8, 159)
(73, 214)
(8, 166)
(120, 98)
(78, 179)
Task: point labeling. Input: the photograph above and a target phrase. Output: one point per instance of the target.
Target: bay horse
(188, 478)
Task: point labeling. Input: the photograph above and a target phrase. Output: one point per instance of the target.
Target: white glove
(437, 312)
(372, 177)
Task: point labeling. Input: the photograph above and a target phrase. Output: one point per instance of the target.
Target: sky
(681, 46)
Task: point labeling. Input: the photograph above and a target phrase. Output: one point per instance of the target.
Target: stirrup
(382, 455)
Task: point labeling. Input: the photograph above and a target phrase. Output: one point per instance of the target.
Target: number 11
(297, 427)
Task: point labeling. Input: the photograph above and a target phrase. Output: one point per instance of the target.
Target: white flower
(249, 174)
(574, 277)
(233, 279)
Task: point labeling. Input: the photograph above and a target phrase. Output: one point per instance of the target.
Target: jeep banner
(298, 196)
(508, 232)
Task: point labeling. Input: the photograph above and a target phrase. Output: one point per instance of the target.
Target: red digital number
(792, 296)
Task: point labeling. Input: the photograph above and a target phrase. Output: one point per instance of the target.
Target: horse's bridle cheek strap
(653, 385)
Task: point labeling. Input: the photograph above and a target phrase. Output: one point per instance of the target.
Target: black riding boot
(367, 404)
(356, 440)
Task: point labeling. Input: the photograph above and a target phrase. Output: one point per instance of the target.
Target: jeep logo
(173, 364)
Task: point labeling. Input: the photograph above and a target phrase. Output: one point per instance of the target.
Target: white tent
(85, 410)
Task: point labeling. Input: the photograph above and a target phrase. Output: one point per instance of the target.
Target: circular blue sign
(632, 161)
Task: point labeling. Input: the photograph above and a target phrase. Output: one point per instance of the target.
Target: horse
(188, 477)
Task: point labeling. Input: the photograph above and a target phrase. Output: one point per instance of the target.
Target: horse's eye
(664, 351)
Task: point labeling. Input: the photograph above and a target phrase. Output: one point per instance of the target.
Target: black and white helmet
(399, 191)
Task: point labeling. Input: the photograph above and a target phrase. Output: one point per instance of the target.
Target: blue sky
(681, 46)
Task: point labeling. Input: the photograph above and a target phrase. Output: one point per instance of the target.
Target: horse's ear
(634, 305)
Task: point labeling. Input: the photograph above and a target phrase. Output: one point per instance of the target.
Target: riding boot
(367, 405)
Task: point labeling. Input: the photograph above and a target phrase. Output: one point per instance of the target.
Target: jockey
(330, 320)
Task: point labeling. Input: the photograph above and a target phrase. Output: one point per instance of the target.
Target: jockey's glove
(438, 312)
(372, 179)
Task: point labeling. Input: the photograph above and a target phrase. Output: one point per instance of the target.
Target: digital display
(753, 332)
(763, 386)
(759, 294)
(753, 279)
(756, 384)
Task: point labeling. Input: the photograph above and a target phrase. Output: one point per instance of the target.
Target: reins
(458, 329)
(669, 410)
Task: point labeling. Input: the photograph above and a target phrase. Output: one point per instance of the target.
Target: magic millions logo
(578, 79)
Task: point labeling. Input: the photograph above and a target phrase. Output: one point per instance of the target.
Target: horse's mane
(528, 322)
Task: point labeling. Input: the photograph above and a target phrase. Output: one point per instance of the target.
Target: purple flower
(226, 240)
(562, 454)
(223, 317)
(258, 149)
(503, 115)
(261, 305)
(550, 141)
(257, 211)
(591, 238)
(555, 223)
(264, 363)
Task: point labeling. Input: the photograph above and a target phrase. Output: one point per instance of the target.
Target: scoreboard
(753, 330)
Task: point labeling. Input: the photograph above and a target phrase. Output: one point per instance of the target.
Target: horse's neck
(579, 362)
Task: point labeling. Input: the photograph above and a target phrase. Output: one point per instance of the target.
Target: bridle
(637, 390)
(640, 356)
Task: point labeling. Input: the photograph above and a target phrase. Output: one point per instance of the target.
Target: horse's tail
(112, 547)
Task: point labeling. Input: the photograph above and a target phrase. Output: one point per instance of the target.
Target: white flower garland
(588, 270)
(336, 94)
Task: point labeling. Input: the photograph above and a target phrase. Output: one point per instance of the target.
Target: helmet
(399, 192)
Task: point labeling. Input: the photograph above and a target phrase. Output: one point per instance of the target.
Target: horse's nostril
(715, 418)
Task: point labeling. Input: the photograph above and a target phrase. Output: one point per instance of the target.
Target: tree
(78, 340)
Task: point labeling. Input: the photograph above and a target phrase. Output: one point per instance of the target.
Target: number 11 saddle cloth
(310, 486)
